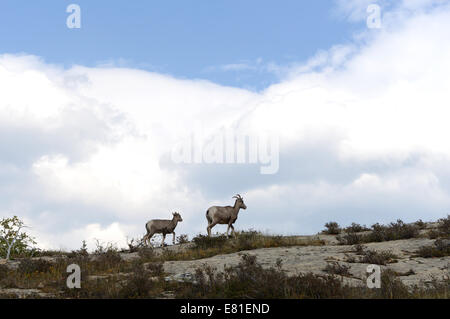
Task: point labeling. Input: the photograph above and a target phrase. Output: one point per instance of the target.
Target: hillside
(414, 259)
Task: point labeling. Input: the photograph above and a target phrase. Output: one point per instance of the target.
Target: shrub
(420, 224)
(349, 239)
(444, 226)
(138, 285)
(392, 287)
(378, 258)
(182, 239)
(360, 249)
(250, 239)
(379, 233)
(249, 279)
(394, 231)
(106, 258)
(336, 268)
(441, 248)
(332, 228)
(156, 268)
(30, 266)
(146, 253)
(356, 228)
(205, 242)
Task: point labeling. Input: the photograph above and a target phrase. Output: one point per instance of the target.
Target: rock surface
(304, 259)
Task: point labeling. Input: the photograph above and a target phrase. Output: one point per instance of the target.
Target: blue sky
(90, 119)
(187, 39)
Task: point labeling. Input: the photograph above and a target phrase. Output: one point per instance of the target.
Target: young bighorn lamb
(162, 226)
(224, 215)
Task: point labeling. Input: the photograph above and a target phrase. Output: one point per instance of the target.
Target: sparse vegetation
(371, 256)
(378, 258)
(29, 266)
(441, 248)
(380, 233)
(105, 274)
(205, 242)
(250, 280)
(336, 268)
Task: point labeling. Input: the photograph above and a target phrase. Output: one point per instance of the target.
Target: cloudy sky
(90, 118)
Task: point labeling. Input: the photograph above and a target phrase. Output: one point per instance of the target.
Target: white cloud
(356, 10)
(363, 131)
(114, 234)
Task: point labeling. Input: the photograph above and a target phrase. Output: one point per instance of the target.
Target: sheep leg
(164, 238)
(173, 239)
(209, 228)
(147, 241)
(232, 229)
(144, 239)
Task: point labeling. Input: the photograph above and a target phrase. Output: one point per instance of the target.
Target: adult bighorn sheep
(162, 226)
(224, 214)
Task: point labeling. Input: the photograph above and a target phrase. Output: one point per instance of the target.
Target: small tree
(332, 228)
(13, 241)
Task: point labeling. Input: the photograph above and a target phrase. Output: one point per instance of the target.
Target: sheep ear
(173, 214)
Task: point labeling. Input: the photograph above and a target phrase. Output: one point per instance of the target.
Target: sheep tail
(208, 217)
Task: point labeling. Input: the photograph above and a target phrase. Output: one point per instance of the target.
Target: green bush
(14, 239)
(249, 279)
